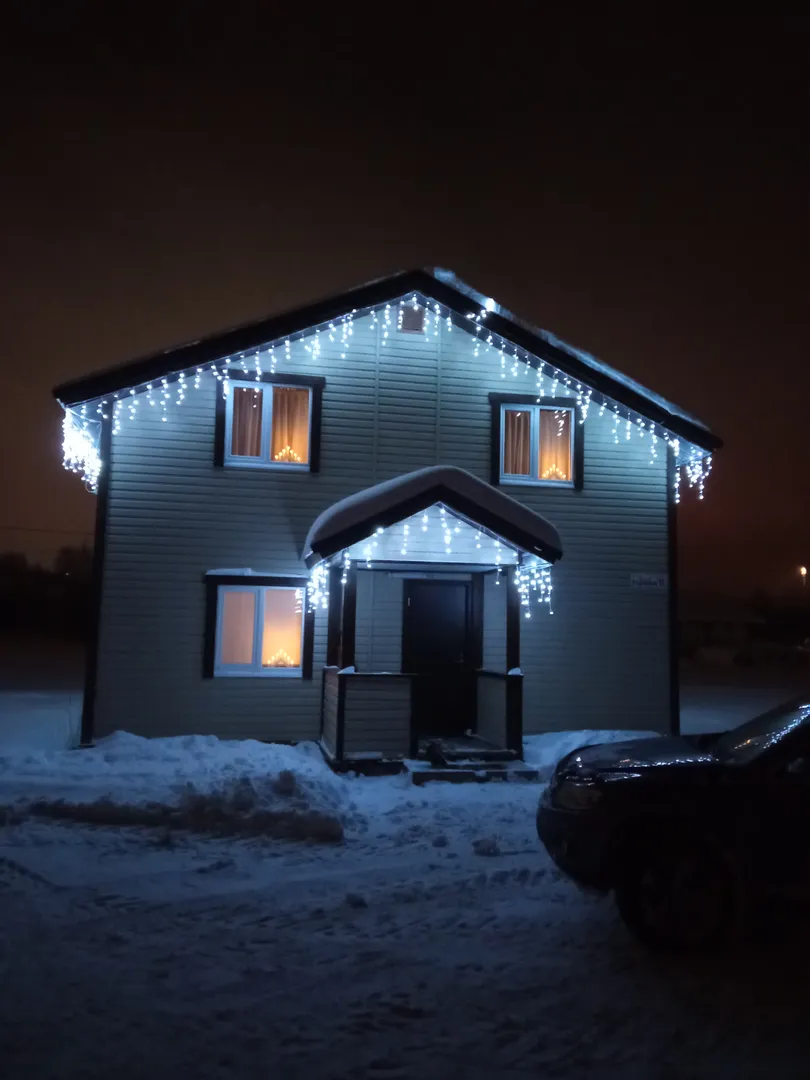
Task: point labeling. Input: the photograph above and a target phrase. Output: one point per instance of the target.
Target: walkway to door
(457, 562)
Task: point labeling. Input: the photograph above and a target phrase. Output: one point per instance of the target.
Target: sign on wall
(649, 582)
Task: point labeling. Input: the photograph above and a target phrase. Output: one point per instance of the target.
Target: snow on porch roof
(356, 517)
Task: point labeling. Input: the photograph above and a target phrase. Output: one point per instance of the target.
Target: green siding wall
(600, 660)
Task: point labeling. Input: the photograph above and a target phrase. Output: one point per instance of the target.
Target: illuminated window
(260, 630)
(268, 425)
(537, 444)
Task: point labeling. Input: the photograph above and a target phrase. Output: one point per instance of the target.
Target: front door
(438, 646)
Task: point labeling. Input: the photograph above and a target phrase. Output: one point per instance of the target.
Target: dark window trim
(213, 581)
(498, 400)
(97, 584)
(268, 580)
(314, 383)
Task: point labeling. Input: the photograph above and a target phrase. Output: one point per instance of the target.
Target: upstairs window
(270, 423)
(536, 444)
(259, 631)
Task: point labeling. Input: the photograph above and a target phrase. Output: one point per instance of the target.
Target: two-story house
(396, 514)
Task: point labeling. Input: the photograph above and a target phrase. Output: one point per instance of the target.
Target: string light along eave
(81, 440)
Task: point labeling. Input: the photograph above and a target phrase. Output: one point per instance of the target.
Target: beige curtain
(281, 636)
(236, 634)
(517, 442)
(555, 444)
(290, 425)
(246, 429)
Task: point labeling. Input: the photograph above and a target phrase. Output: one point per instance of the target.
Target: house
(398, 514)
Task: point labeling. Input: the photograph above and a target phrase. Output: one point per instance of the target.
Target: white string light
(80, 442)
(695, 466)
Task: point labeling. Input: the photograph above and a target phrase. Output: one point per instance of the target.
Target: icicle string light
(691, 462)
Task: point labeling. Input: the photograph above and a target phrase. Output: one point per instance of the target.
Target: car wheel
(677, 898)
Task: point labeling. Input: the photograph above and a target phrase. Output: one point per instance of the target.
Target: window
(539, 444)
(268, 425)
(412, 320)
(259, 630)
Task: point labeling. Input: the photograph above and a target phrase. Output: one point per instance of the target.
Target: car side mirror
(800, 766)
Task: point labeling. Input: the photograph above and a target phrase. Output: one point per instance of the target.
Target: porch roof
(358, 516)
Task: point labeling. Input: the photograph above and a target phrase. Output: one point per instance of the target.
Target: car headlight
(575, 795)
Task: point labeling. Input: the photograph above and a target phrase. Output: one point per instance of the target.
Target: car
(690, 835)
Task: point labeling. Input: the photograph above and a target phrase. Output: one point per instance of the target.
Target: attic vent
(413, 319)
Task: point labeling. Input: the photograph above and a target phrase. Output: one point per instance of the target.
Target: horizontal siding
(494, 623)
(599, 660)
(378, 644)
(378, 716)
(492, 710)
(330, 710)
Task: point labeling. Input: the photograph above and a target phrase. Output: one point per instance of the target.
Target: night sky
(642, 191)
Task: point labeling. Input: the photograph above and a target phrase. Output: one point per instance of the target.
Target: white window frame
(533, 479)
(263, 461)
(254, 669)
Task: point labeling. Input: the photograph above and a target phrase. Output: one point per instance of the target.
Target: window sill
(519, 481)
(271, 466)
(274, 673)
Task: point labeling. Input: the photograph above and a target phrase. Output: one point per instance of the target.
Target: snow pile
(194, 782)
(543, 752)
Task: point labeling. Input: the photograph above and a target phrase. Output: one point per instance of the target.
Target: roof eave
(278, 327)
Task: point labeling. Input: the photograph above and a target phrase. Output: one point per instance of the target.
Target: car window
(746, 743)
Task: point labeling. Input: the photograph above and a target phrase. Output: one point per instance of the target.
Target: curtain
(281, 635)
(517, 442)
(236, 634)
(246, 429)
(290, 425)
(555, 444)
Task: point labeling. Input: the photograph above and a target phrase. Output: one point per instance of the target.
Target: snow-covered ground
(435, 940)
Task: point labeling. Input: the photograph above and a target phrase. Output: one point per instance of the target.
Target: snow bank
(194, 782)
(542, 752)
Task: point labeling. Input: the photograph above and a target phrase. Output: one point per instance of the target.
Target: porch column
(512, 621)
(334, 616)
(349, 618)
(514, 683)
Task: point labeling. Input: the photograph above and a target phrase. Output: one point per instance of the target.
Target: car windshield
(746, 743)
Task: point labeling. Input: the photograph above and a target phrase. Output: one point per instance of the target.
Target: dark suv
(689, 833)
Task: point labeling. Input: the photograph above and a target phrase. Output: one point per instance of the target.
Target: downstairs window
(259, 630)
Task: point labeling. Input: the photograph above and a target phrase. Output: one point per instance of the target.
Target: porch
(426, 581)
(368, 717)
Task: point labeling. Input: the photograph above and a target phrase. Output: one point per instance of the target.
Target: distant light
(489, 304)
(803, 571)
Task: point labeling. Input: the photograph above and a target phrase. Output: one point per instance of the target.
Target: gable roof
(441, 286)
(356, 517)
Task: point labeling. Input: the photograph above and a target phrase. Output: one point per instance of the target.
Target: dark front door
(439, 646)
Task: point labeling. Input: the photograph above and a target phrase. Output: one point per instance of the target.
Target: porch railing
(366, 714)
(369, 714)
(499, 709)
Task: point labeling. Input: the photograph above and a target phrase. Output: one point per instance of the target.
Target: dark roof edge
(249, 336)
(464, 505)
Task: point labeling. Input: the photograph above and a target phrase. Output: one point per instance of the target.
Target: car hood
(634, 755)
